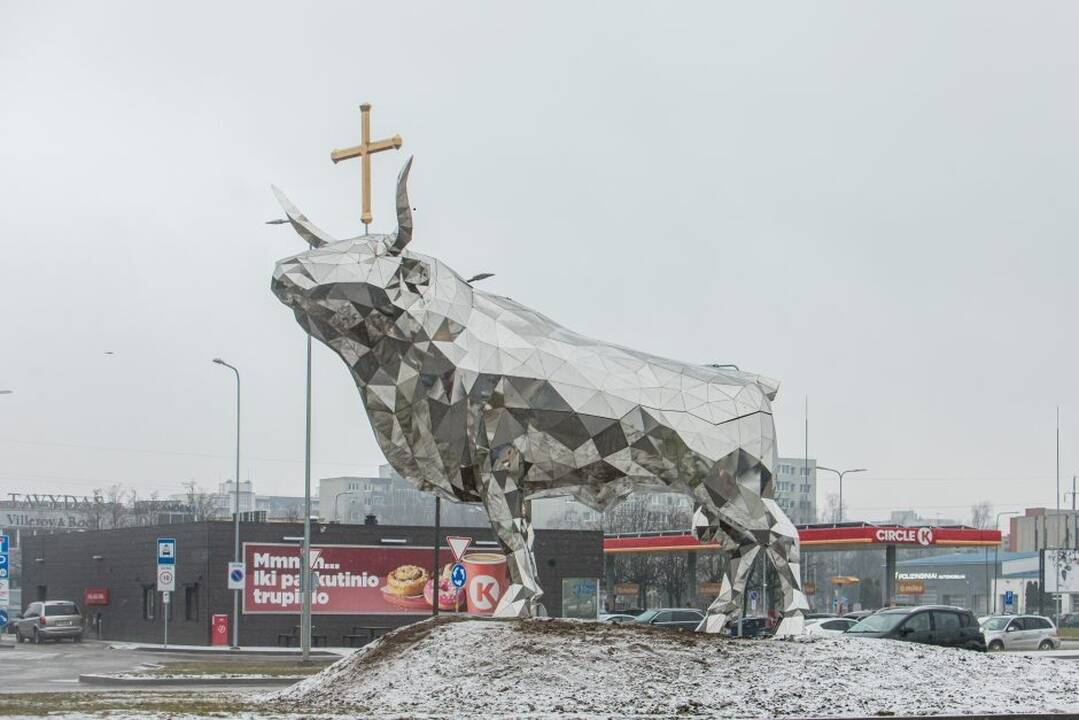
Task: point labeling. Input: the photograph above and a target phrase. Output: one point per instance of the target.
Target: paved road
(55, 667)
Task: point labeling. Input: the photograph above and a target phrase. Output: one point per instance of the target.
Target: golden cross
(365, 150)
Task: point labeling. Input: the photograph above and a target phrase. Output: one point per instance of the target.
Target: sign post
(166, 578)
(237, 575)
(5, 546)
(458, 546)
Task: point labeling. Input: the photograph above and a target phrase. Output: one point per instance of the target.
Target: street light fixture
(840, 473)
(236, 516)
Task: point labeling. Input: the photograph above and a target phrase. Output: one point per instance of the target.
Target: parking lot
(56, 666)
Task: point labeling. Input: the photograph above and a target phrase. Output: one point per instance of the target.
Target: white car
(827, 627)
(1020, 632)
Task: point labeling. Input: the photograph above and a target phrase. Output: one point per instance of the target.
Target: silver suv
(49, 620)
(1020, 632)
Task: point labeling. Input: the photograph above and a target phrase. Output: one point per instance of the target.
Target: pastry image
(449, 597)
(406, 581)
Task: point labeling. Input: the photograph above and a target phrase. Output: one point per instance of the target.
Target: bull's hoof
(791, 626)
(517, 602)
(713, 624)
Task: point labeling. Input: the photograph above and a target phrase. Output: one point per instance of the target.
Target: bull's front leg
(505, 508)
(783, 553)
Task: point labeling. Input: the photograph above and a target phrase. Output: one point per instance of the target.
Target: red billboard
(370, 580)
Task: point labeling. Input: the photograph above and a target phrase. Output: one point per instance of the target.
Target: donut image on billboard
(370, 580)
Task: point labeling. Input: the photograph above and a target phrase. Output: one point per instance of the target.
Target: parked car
(928, 624)
(672, 618)
(49, 620)
(617, 618)
(858, 614)
(818, 615)
(1020, 632)
(824, 627)
(750, 627)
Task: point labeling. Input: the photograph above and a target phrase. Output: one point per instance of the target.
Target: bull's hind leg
(744, 534)
(504, 502)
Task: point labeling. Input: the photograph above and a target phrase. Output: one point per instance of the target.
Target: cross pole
(365, 150)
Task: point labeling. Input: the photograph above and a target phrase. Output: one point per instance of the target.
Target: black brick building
(123, 561)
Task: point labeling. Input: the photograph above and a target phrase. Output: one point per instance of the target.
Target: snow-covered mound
(472, 668)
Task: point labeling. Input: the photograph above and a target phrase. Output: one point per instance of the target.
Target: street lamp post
(305, 567)
(840, 473)
(996, 554)
(236, 515)
(338, 495)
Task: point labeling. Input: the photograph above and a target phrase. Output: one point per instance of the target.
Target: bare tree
(95, 514)
(830, 512)
(200, 501)
(116, 512)
(142, 511)
(981, 514)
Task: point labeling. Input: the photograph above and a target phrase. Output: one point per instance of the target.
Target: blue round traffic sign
(236, 575)
(458, 575)
(3, 616)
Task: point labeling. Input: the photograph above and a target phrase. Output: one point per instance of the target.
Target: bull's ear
(303, 227)
(403, 234)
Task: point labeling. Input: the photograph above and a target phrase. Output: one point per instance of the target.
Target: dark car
(928, 624)
(750, 627)
(672, 618)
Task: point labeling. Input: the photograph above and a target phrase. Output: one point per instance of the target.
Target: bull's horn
(403, 234)
(303, 227)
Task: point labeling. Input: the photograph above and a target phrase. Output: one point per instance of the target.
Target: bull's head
(357, 291)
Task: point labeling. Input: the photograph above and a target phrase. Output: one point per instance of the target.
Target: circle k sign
(908, 536)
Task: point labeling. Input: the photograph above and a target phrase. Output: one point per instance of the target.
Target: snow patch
(512, 668)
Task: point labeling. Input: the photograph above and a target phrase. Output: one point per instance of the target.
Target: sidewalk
(225, 650)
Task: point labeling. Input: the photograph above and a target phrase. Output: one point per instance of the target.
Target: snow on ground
(493, 668)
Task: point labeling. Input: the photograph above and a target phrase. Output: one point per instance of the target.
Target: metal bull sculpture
(480, 399)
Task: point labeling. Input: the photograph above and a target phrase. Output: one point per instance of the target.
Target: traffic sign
(754, 596)
(166, 578)
(166, 551)
(5, 592)
(166, 597)
(3, 573)
(1009, 597)
(3, 617)
(4, 544)
(236, 576)
(458, 575)
(3, 561)
(458, 545)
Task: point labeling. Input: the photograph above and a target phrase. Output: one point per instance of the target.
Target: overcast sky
(875, 204)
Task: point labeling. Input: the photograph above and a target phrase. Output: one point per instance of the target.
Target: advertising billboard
(1061, 570)
(370, 580)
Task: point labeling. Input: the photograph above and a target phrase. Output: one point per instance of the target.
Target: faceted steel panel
(480, 399)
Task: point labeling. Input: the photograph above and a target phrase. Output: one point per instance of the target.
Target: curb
(149, 681)
(208, 651)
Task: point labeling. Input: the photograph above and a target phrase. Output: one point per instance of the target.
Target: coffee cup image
(488, 578)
